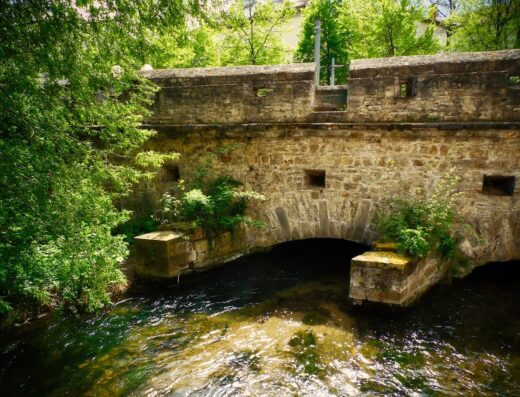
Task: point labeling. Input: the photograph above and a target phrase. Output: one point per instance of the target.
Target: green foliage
(363, 29)
(183, 47)
(220, 208)
(387, 28)
(413, 242)
(484, 25)
(154, 160)
(252, 34)
(136, 226)
(335, 38)
(214, 202)
(71, 107)
(423, 223)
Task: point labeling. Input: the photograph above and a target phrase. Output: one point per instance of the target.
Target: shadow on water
(279, 323)
(255, 277)
(476, 310)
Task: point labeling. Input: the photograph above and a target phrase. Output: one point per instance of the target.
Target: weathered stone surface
(391, 278)
(160, 254)
(443, 87)
(233, 94)
(458, 91)
(384, 260)
(331, 98)
(166, 254)
(385, 246)
(273, 160)
(447, 63)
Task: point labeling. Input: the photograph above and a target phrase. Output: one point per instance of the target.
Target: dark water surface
(279, 324)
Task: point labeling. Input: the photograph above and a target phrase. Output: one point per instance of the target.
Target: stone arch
(302, 219)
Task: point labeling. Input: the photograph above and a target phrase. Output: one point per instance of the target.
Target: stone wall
(229, 95)
(429, 88)
(276, 160)
(444, 87)
(331, 98)
(387, 277)
(168, 254)
(325, 169)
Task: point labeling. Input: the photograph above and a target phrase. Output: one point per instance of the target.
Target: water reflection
(280, 324)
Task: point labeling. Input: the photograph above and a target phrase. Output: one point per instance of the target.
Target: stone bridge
(327, 156)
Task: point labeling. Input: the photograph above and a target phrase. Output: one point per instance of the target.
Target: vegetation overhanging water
(279, 324)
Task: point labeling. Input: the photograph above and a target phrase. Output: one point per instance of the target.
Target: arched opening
(495, 275)
(318, 255)
(300, 266)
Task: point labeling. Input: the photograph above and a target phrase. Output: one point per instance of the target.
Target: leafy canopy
(388, 28)
(252, 32)
(363, 29)
(335, 37)
(71, 108)
(485, 25)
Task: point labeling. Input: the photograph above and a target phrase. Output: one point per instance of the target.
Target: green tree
(252, 32)
(485, 25)
(182, 47)
(71, 106)
(388, 28)
(335, 37)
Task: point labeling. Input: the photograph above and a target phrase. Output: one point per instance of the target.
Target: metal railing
(317, 58)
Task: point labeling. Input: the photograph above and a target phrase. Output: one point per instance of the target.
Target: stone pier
(391, 278)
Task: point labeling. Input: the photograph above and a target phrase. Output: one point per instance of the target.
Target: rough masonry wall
(436, 88)
(445, 87)
(292, 134)
(281, 93)
(273, 160)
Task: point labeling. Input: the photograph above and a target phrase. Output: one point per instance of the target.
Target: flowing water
(279, 324)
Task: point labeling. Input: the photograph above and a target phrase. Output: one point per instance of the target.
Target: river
(278, 324)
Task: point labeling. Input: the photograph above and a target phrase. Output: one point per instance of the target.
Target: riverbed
(278, 324)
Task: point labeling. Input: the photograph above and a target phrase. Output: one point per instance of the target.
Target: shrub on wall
(214, 202)
(423, 223)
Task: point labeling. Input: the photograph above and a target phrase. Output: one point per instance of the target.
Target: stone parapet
(446, 63)
(281, 93)
(449, 87)
(444, 87)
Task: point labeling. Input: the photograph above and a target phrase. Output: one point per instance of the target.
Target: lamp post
(317, 53)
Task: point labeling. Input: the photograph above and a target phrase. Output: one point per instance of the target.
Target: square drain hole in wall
(315, 178)
(498, 185)
(171, 173)
(408, 88)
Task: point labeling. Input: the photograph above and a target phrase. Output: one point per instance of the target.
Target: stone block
(390, 278)
(161, 254)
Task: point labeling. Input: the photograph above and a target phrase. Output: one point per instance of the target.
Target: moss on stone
(383, 259)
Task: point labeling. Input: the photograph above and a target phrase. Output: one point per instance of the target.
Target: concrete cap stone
(382, 259)
(166, 235)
